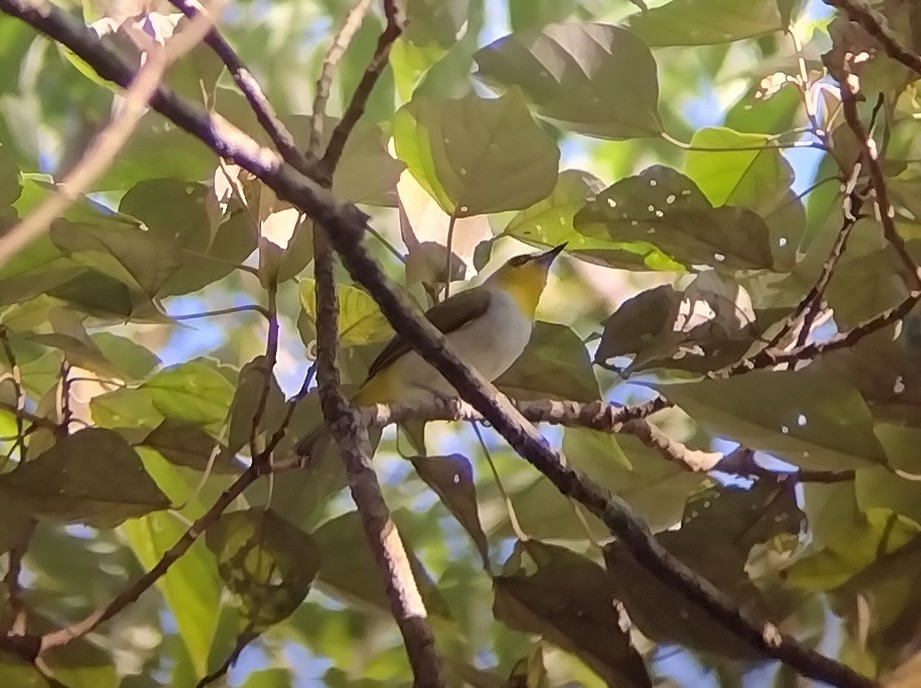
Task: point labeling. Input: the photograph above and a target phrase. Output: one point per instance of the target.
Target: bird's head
(525, 276)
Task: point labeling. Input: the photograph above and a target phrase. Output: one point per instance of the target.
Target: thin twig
(17, 604)
(341, 41)
(255, 307)
(271, 357)
(356, 106)
(279, 434)
(850, 88)
(345, 227)
(16, 377)
(106, 145)
(250, 88)
(246, 636)
(129, 594)
(874, 24)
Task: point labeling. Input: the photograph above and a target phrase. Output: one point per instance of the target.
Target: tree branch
(250, 88)
(406, 604)
(345, 227)
(874, 24)
(62, 636)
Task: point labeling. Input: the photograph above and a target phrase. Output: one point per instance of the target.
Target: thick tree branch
(345, 226)
(406, 604)
(250, 88)
(875, 24)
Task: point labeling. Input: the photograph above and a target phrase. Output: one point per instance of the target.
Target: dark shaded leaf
(554, 365)
(187, 444)
(451, 477)
(662, 207)
(254, 376)
(92, 476)
(569, 601)
(593, 79)
(268, 562)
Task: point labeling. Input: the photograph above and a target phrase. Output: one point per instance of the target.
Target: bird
(488, 326)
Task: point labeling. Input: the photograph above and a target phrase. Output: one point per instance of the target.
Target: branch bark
(345, 226)
(406, 604)
(873, 22)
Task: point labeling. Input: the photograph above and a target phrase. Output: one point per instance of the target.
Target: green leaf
(360, 320)
(637, 322)
(138, 259)
(549, 222)
(190, 585)
(10, 185)
(754, 179)
(569, 601)
(187, 444)
(743, 518)
(195, 392)
(706, 22)
(266, 561)
(254, 376)
(527, 14)
(662, 207)
(132, 360)
(172, 209)
(451, 477)
(92, 476)
(554, 365)
(593, 79)
(811, 419)
(476, 156)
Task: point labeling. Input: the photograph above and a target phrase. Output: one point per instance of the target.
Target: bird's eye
(518, 261)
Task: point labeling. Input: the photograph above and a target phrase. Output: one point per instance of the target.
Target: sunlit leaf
(474, 155)
(190, 586)
(705, 22)
(92, 476)
(593, 79)
(360, 319)
(195, 391)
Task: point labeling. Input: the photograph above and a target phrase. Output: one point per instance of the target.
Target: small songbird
(488, 326)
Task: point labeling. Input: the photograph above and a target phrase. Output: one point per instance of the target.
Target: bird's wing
(449, 315)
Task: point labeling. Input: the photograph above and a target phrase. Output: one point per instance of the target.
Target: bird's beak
(548, 257)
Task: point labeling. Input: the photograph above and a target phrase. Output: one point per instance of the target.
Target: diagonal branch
(345, 226)
(250, 88)
(875, 24)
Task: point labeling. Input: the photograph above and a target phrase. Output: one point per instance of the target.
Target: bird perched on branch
(488, 326)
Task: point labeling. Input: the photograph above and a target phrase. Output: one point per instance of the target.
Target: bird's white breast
(491, 344)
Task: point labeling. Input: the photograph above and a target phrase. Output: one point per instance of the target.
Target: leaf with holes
(810, 418)
(594, 79)
(662, 207)
(476, 156)
(266, 561)
(452, 479)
